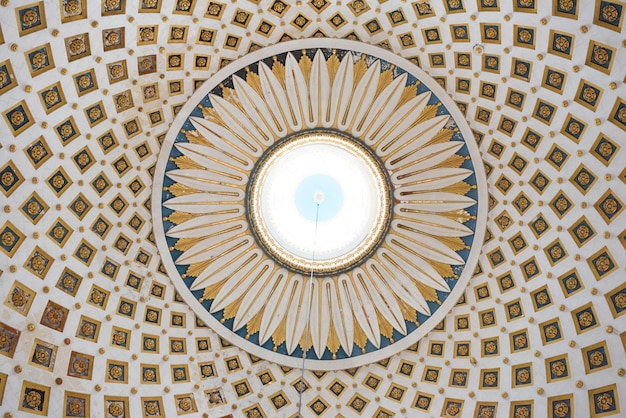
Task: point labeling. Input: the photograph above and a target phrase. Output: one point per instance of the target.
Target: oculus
(320, 199)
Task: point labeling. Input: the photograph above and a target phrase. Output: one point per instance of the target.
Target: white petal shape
(214, 229)
(212, 246)
(203, 202)
(414, 266)
(343, 321)
(362, 98)
(259, 294)
(319, 90)
(297, 314)
(383, 299)
(437, 178)
(276, 99)
(240, 123)
(319, 324)
(205, 179)
(383, 106)
(410, 137)
(398, 281)
(239, 284)
(217, 273)
(258, 110)
(223, 256)
(275, 313)
(433, 202)
(364, 310)
(209, 157)
(237, 146)
(429, 247)
(297, 92)
(341, 92)
(432, 224)
(424, 157)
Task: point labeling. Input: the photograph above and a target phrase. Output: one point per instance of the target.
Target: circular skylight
(319, 202)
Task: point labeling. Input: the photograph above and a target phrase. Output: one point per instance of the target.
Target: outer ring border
(284, 47)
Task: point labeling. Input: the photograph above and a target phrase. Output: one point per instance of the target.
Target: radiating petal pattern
(425, 159)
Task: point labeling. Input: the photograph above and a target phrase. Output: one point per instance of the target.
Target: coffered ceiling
(90, 323)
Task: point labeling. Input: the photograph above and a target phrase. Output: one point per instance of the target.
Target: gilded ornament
(113, 38)
(117, 71)
(150, 3)
(551, 331)
(77, 46)
(561, 409)
(602, 263)
(555, 79)
(452, 409)
(600, 55)
(150, 344)
(515, 310)
(492, 62)
(620, 300)
(72, 8)
(491, 347)
(490, 379)
(51, 97)
(597, 358)
(525, 35)
(39, 60)
(17, 118)
(38, 262)
(18, 298)
(558, 368)
(604, 402)
(116, 372)
(610, 13)
(464, 60)
(75, 407)
(95, 113)
(491, 33)
(621, 115)
(146, 34)
(214, 9)
(522, 412)
(33, 399)
(4, 78)
(566, 5)
(30, 18)
(152, 408)
(562, 43)
(523, 375)
(8, 239)
(545, 111)
(184, 404)
(178, 33)
(116, 409)
(590, 94)
(87, 329)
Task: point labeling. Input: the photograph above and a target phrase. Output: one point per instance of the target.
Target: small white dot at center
(318, 197)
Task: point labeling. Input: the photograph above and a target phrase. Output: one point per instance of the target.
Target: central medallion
(333, 133)
(319, 202)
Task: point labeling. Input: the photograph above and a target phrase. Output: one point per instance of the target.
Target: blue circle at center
(306, 192)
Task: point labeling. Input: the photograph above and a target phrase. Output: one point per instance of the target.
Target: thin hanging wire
(308, 317)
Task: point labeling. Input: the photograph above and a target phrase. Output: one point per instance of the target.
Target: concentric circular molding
(354, 219)
(392, 297)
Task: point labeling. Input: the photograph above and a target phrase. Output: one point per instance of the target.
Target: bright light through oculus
(325, 169)
(319, 189)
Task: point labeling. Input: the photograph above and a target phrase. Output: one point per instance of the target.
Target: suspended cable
(318, 199)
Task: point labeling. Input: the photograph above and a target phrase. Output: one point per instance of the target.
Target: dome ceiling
(91, 324)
